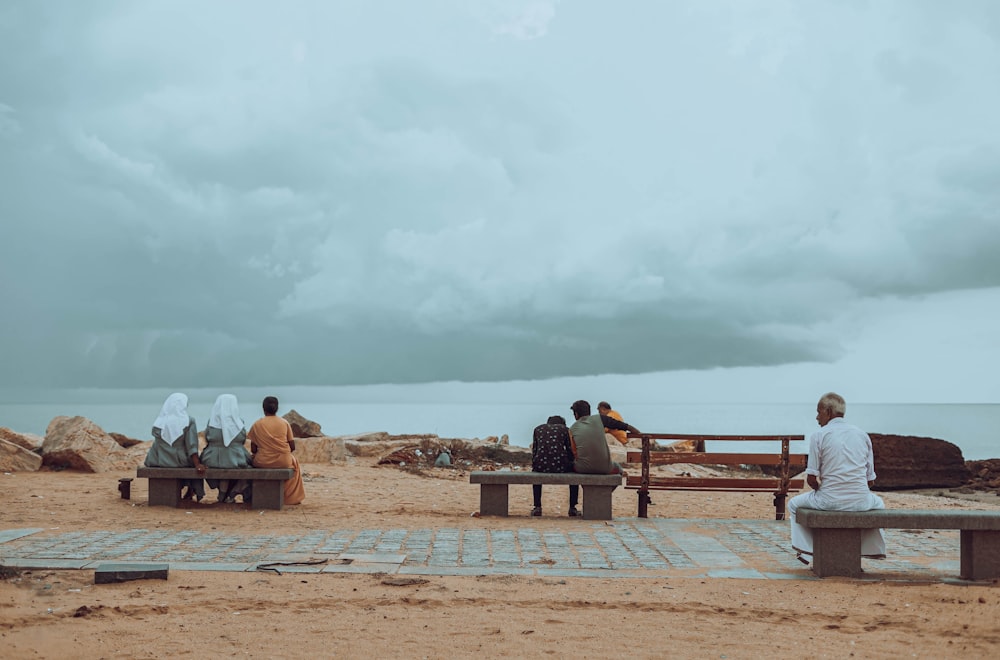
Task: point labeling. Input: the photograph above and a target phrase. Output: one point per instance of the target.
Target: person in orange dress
(272, 444)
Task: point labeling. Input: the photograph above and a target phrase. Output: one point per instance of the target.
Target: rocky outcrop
(984, 476)
(15, 458)
(124, 440)
(914, 462)
(423, 450)
(302, 427)
(29, 441)
(128, 458)
(321, 449)
(78, 443)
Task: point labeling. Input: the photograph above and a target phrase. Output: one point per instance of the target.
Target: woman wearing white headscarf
(175, 443)
(225, 447)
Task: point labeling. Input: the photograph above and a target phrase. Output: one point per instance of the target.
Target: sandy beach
(62, 613)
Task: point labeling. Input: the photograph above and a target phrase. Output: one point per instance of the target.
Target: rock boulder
(29, 441)
(914, 462)
(78, 443)
(320, 449)
(15, 458)
(124, 440)
(302, 427)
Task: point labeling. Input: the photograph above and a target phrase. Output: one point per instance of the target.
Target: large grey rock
(79, 444)
(15, 458)
(914, 462)
(29, 441)
(302, 427)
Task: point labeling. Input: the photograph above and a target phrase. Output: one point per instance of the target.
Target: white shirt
(840, 454)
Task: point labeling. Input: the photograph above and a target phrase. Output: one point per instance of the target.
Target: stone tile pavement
(631, 547)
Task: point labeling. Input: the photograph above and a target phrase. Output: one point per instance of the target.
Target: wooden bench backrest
(780, 484)
(783, 457)
(705, 458)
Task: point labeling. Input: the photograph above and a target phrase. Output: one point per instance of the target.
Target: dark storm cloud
(235, 193)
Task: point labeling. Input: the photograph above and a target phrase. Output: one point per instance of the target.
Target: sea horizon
(495, 410)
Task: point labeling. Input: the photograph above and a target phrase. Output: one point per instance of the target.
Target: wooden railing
(782, 483)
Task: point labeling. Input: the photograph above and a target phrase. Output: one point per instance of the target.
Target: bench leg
(597, 502)
(980, 554)
(268, 494)
(493, 500)
(643, 503)
(779, 506)
(165, 492)
(837, 552)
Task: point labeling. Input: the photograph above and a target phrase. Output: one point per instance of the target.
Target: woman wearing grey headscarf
(175, 443)
(225, 447)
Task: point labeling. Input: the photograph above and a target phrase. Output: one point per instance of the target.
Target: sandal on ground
(537, 511)
(573, 512)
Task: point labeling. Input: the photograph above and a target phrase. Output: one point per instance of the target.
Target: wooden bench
(786, 464)
(837, 537)
(268, 483)
(597, 489)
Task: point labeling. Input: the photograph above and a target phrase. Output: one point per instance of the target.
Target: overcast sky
(352, 192)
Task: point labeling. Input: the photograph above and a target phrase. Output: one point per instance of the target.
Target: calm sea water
(974, 428)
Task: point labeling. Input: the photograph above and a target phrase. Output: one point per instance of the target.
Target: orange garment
(620, 436)
(273, 438)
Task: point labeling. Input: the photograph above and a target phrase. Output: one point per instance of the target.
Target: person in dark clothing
(552, 451)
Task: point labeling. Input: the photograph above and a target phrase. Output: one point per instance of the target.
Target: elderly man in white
(841, 471)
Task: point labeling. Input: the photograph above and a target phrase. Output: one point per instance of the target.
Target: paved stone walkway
(632, 547)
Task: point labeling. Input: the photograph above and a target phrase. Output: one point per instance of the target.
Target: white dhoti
(873, 541)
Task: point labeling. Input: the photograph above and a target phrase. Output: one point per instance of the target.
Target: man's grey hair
(834, 403)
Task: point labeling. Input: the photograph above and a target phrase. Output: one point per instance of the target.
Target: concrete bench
(837, 537)
(268, 483)
(597, 489)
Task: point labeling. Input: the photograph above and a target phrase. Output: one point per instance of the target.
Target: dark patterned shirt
(551, 450)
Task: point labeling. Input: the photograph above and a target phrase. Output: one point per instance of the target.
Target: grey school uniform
(177, 455)
(217, 455)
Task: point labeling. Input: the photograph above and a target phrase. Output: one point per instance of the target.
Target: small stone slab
(111, 573)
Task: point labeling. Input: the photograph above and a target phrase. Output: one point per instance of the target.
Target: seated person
(841, 473)
(604, 408)
(589, 446)
(272, 444)
(175, 443)
(225, 447)
(552, 451)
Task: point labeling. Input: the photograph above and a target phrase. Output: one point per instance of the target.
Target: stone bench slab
(597, 489)
(900, 519)
(268, 483)
(545, 478)
(837, 537)
(254, 474)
